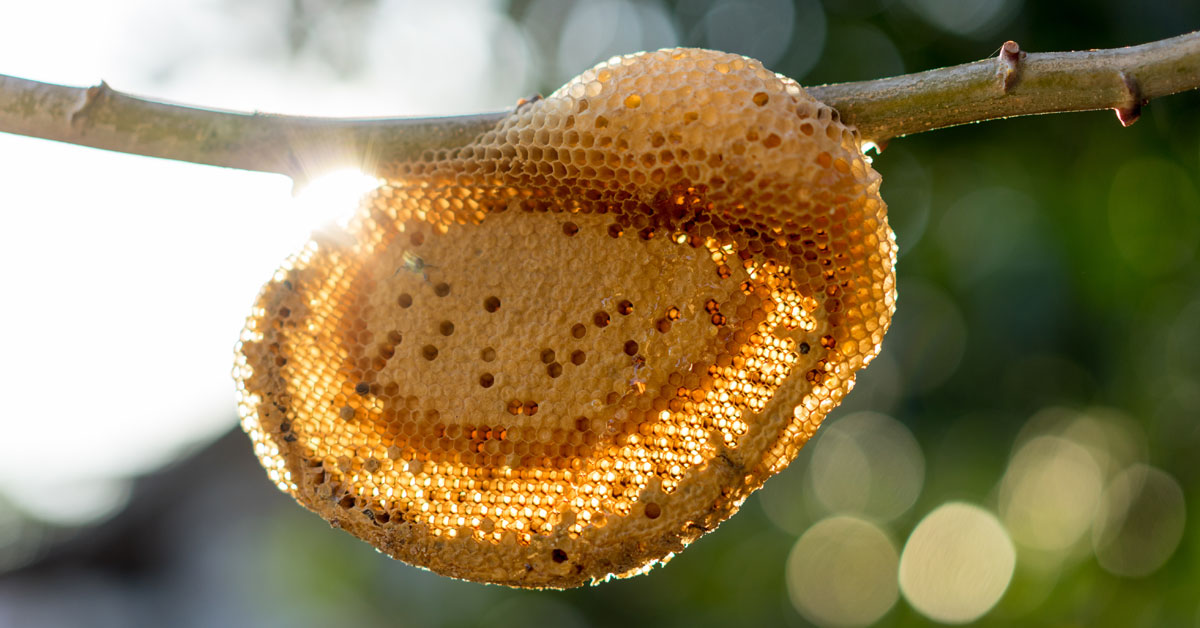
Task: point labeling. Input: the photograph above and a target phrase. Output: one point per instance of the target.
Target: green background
(1046, 262)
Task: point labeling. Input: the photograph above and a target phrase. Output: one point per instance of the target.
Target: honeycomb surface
(570, 348)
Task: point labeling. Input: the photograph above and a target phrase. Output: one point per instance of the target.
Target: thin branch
(1017, 84)
(297, 146)
(1013, 83)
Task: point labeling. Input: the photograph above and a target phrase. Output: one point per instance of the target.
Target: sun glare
(171, 252)
(332, 198)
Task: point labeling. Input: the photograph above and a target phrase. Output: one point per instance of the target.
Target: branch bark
(297, 146)
(1012, 84)
(1017, 84)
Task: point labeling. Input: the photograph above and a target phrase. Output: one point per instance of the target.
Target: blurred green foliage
(1046, 261)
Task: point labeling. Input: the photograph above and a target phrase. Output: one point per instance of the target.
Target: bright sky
(127, 279)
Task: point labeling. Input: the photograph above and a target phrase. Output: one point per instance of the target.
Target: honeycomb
(570, 348)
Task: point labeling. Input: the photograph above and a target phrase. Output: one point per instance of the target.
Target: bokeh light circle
(1140, 523)
(594, 31)
(966, 17)
(1110, 436)
(864, 52)
(760, 29)
(867, 464)
(1050, 492)
(957, 563)
(842, 572)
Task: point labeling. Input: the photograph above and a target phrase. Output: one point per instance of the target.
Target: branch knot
(92, 96)
(1008, 66)
(1130, 112)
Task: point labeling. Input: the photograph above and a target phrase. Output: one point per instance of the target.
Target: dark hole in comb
(491, 304)
(486, 380)
(600, 319)
(558, 556)
(442, 289)
(404, 300)
(653, 510)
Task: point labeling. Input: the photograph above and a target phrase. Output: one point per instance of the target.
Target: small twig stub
(1009, 65)
(1130, 113)
(92, 96)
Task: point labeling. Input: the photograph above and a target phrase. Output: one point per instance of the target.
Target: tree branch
(1017, 84)
(1012, 84)
(297, 146)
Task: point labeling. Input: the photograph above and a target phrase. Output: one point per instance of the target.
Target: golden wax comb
(570, 348)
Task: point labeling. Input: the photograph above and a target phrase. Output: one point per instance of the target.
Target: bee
(528, 101)
(414, 264)
(638, 381)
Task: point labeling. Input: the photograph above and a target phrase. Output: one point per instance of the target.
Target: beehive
(575, 345)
